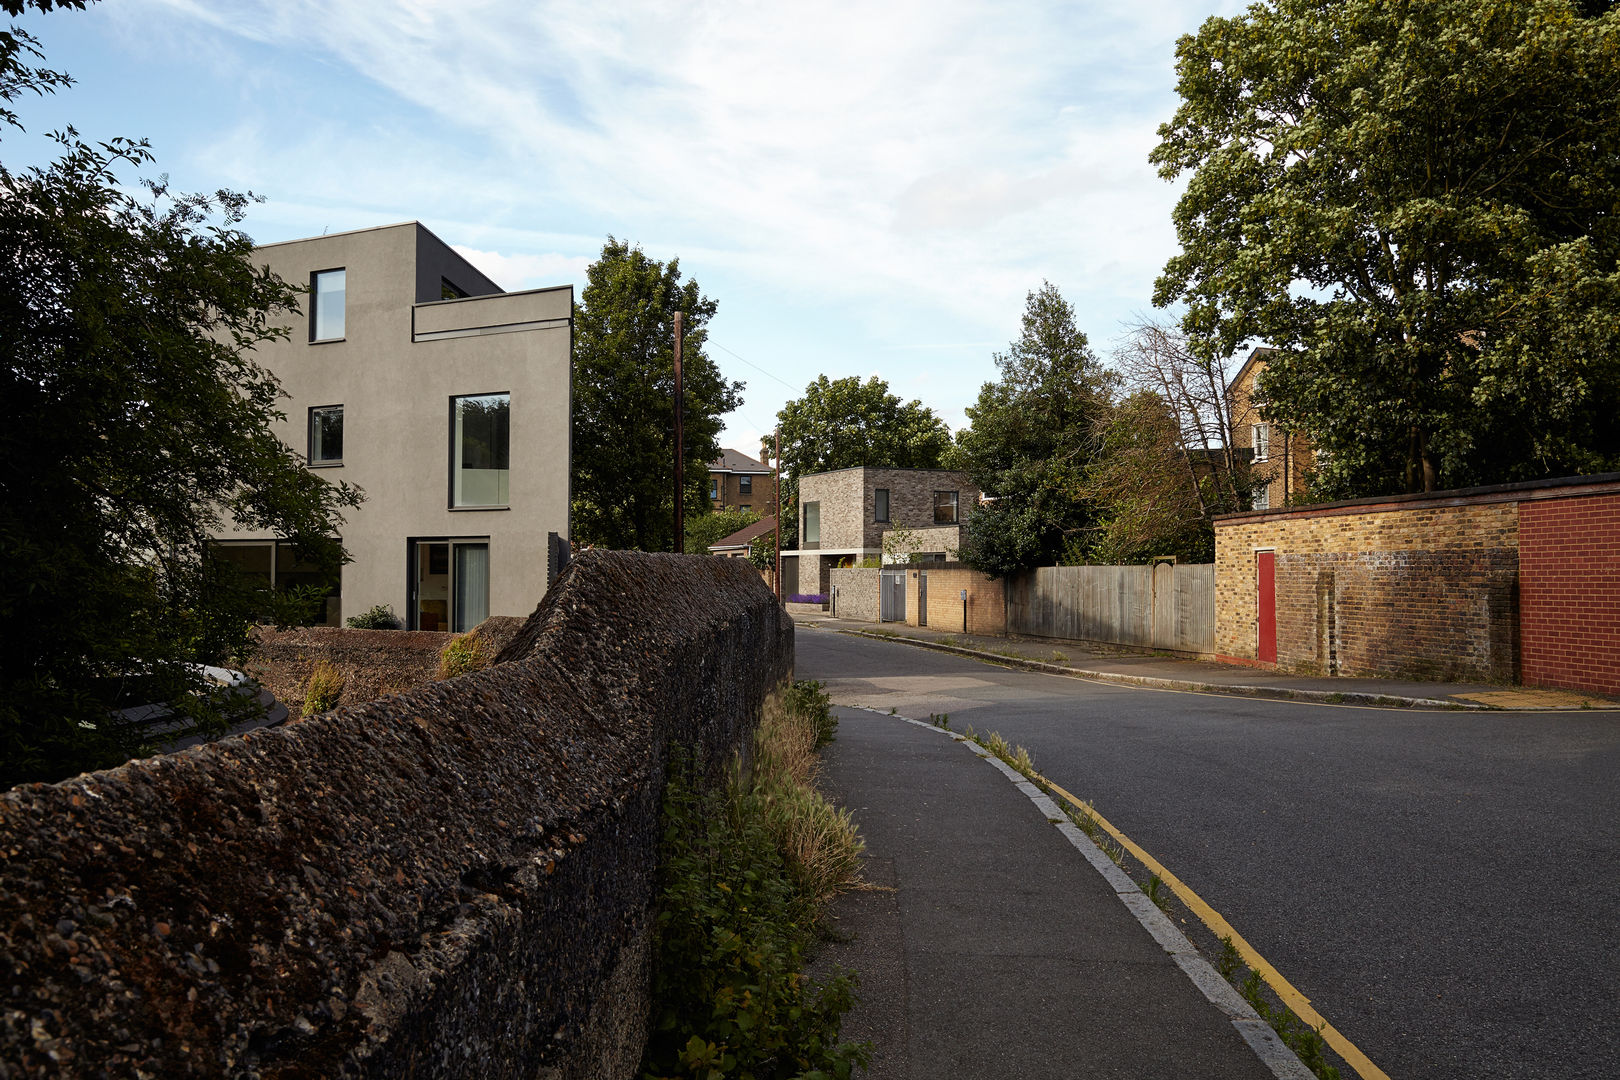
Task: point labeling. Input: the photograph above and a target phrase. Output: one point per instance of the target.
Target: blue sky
(864, 188)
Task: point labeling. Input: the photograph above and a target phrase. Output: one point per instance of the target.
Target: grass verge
(748, 867)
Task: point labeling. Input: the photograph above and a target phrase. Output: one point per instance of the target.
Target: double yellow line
(1291, 997)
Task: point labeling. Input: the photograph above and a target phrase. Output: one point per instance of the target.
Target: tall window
(1262, 497)
(745, 485)
(812, 523)
(326, 435)
(1262, 442)
(714, 487)
(880, 504)
(327, 289)
(480, 449)
(944, 508)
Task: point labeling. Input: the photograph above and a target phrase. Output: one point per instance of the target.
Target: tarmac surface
(1439, 882)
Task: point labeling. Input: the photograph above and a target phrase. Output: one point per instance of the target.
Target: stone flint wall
(857, 593)
(452, 882)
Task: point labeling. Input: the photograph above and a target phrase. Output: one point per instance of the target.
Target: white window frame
(1261, 440)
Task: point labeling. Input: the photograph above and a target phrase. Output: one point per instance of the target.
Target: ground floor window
(276, 565)
(449, 583)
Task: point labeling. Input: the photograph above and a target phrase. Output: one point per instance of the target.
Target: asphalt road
(1443, 886)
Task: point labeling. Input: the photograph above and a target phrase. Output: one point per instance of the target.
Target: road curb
(1277, 1056)
(1150, 682)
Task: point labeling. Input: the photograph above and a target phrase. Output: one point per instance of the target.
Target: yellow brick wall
(986, 601)
(1425, 591)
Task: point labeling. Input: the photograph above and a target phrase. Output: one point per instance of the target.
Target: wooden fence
(1157, 607)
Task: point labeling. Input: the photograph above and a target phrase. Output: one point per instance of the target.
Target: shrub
(462, 654)
(323, 689)
(806, 698)
(380, 617)
(808, 598)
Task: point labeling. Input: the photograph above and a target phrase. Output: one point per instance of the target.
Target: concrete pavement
(994, 947)
(1133, 667)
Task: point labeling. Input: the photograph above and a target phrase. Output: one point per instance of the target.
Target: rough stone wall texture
(452, 882)
(857, 593)
(1569, 592)
(931, 540)
(373, 662)
(1423, 590)
(986, 600)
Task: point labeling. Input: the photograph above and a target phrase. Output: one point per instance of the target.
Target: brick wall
(1569, 592)
(848, 500)
(857, 593)
(1422, 589)
(839, 495)
(729, 494)
(986, 601)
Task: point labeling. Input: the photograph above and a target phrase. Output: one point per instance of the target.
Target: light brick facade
(984, 613)
(1441, 586)
(1279, 466)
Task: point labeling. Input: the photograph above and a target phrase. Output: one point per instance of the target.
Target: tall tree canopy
(845, 423)
(624, 393)
(1032, 440)
(134, 423)
(1417, 201)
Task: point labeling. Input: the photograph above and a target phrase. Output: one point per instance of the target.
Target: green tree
(1151, 495)
(705, 529)
(624, 392)
(1031, 440)
(846, 423)
(134, 423)
(1417, 202)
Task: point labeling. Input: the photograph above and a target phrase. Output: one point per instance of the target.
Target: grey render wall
(1155, 607)
(396, 393)
(451, 882)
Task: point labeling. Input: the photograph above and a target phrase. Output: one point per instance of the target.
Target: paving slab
(991, 947)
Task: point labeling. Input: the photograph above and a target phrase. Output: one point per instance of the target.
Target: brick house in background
(844, 515)
(738, 482)
(1277, 459)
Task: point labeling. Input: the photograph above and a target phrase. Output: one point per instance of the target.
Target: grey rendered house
(845, 514)
(413, 376)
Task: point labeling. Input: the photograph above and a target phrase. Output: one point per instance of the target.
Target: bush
(808, 598)
(807, 699)
(746, 872)
(380, 617)
(323, 689)
(462, 654)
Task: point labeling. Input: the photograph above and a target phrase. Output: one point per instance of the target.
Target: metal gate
(922, 598)
(892, 595)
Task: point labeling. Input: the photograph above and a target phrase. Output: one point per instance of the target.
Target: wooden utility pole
(777, 483)
(680, 450)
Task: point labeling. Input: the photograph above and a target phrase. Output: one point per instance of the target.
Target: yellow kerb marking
(1296, 1001)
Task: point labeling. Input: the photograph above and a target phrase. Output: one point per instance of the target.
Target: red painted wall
(1569, 592)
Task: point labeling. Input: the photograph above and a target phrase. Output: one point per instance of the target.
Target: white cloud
(513, 272)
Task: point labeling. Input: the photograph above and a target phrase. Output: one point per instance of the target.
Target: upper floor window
(327, 288)
(480, 449)
(326, 435)
(944, 508)
(745, 485)
(880, 504)
(1262, 442)
(812, 523)
(714, 487)
(449, 290)
(1262, 497)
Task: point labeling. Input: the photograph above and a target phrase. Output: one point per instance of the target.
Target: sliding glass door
(449, 583)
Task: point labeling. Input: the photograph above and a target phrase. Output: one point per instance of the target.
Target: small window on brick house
(1262, 442)
(880, 504)
(714, 487)
(944, 508)
(745, 485)
(812, 523)
(1262, 497)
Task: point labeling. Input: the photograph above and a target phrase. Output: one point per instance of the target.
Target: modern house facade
(413, 376)
(845, 514)
(1278, 459)
(738, 482)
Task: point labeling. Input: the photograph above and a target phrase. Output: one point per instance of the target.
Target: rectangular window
(944, 508)
(480, 449)
(1262, 442)
(326, 435)
(880, 504)
(449, 584)
(327, 289)
(745, 506)
(745, 485)
(812, 523)
(714, 487)
(1262, 497)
